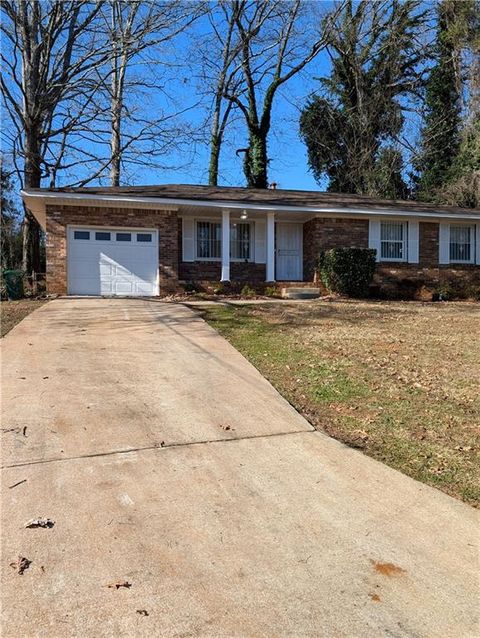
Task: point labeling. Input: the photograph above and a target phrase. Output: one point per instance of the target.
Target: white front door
(112, 261)
(289, 252)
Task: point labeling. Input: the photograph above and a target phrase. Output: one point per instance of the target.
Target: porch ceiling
(253, 214)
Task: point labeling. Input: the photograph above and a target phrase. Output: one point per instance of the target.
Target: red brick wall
(428, 271)
(58, 217)
(323, 233)
(319, 234)
(211, 271)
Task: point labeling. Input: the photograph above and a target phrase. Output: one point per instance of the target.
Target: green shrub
(247, 291)
(190, 286)
(473, 292)
(271, 291)
(444, 292)
(348, 271)
(219, 289)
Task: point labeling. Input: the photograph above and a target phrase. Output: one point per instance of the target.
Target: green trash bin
(14, 284)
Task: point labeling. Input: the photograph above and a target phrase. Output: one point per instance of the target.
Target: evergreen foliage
(441, 132)
(350, 127)
(348, 271)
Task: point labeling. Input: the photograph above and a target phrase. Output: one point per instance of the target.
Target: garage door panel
(125, 288)
(87, 286)
(115, 267)
(84, 269)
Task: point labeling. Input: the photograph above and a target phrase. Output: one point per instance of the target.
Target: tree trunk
(215, 144)
(31, 228)
(116, 112)
(255, 163)
(31, 244)
(115, 143)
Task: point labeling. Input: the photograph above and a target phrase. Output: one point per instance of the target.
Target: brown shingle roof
(252, 196)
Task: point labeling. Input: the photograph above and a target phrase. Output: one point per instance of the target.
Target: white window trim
(404, 241)
(472, 244)
(211, 221)
(215, 220)
(113, 230)
(251, 259)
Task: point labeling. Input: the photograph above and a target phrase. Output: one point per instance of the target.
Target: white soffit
(36, 201)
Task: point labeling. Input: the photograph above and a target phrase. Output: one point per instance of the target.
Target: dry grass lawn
(400, 381)
(12, 312)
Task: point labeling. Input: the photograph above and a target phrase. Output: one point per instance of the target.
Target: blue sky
(288, 157)
(176, 88)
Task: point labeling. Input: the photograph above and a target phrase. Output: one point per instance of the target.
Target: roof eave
(36, 203)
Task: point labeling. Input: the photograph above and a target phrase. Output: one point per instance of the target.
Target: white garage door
(112, 261)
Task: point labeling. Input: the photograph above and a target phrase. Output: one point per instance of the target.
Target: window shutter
(444, 244)
(413, 242)
(260, 256)
(374, 236)
(477, 244)
(188, 239)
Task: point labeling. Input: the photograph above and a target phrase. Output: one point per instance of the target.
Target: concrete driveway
(169, 464)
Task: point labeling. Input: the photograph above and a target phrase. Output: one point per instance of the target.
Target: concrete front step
(300, 293)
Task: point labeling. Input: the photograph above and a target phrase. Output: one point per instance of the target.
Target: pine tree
(441, 132)
(350, 127)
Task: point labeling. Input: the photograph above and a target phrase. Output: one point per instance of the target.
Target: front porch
(241, 245)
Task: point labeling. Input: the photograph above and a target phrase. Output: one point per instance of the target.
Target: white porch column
(270, 246)
(225, 245)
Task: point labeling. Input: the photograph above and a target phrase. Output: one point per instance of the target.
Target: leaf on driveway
(21, 564)
(40, 522)
(119, 583)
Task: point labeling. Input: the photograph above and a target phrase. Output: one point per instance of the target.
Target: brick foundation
(211, 271)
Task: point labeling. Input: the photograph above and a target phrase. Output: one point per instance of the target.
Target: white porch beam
(225, 245)
(270, 246)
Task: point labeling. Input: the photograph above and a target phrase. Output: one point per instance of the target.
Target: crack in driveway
(161, 446)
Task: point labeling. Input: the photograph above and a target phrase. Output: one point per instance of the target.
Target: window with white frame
(208, 240)
(461, 243)
(393, 241)
(240, 241)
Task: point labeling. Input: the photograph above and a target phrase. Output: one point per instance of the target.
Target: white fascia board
(173, 204)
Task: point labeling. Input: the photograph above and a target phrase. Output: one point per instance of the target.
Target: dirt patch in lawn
(399, 381)
(12, 312)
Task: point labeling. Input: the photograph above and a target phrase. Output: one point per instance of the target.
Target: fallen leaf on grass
(21, 564)
(40, 522)
(119, 583)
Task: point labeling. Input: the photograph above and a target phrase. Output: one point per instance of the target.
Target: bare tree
(135, 26)
(219, 76)
(49, 55)
(275, 43)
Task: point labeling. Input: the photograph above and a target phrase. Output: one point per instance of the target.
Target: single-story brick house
(148, 240)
